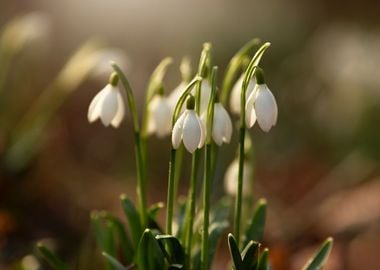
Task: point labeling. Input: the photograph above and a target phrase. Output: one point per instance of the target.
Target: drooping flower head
(108, 104)
(160, 113)
(222, 124)
(188, 128)
(231, 178)
(261, 105)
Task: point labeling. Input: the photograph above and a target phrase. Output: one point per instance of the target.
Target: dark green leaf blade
(319, 259)
(133, 219)
(50, 257)
(114, 262)
(235, 253)
(250, 255)
(255, 230)
(263, 261)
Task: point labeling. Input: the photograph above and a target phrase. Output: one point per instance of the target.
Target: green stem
(208, 173)
(247, 77)
(140, 165)
(239, 195)
(170, 197)
(178, 169)
(206, 207)
(190, 211)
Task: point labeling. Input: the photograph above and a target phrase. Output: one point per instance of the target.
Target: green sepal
(319, 259)
(149, 253)
(133, 219)
(50, 257)
(255, 230)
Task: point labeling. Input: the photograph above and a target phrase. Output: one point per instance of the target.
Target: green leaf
(263, 261)
(114, 262)
(175, 253)
(133, 219)
(319, 259)
(255, 230)
(50, 257)
(125, 243)
(250, 255)
(154, 209)
(235, 253)
(149, 253)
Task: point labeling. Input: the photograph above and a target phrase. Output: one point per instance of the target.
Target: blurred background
(318, 168)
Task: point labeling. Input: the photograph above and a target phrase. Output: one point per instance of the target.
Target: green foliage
(50, 257)
(319, 259)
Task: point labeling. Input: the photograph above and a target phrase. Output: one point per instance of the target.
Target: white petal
(162, 118)
(109, 106)
(191, 131)
(202, 123)
(266, 108)
(218, 124)
(120, 111)
(250, 114)
(94, 109)
(227, 133)
(231, 178)
(205, 94)
(176, 93)
(178, 130)
(235, 93)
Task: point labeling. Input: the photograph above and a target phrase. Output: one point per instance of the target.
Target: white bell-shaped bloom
(108, 105)
(261, 106)
(235, 93)
(188, 128)
(175, 95)
(159, 116)
(231, 178)
(222, 124)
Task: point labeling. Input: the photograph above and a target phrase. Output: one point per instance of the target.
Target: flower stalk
(208, 172)
(140, 165)
(239, 196)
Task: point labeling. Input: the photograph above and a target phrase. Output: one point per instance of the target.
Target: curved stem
(140, 164)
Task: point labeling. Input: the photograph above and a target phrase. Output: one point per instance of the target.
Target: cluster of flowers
(109, 106)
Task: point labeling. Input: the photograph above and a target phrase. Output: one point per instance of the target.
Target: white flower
(108, 105)
(188, 128)
(175, 95)
(160, 114)
(205, 94)
(261, 106)
(222, 124)
(235, 93)
(231, 178)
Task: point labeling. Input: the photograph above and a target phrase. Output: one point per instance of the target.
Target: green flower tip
(160, 90)
(123, 197)
(114, 79)
(190, 104)
(259, 75)
(262, 202)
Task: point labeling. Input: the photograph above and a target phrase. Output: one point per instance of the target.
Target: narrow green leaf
(235, 253)
(133, 219)
(175, 252)
(319, 259)
(255, 230)
(125, 243)
(250, 255)
(50, 257)
(154, 209)
(114, 262)
(149, 253)
(263, 261)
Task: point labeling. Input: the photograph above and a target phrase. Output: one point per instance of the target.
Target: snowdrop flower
(222, 124)
(261, 105)
(108, 104)
(160, 114)
(235, 93)
(188, 128)
(205, 94)
(175, 95)
(231, 178)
